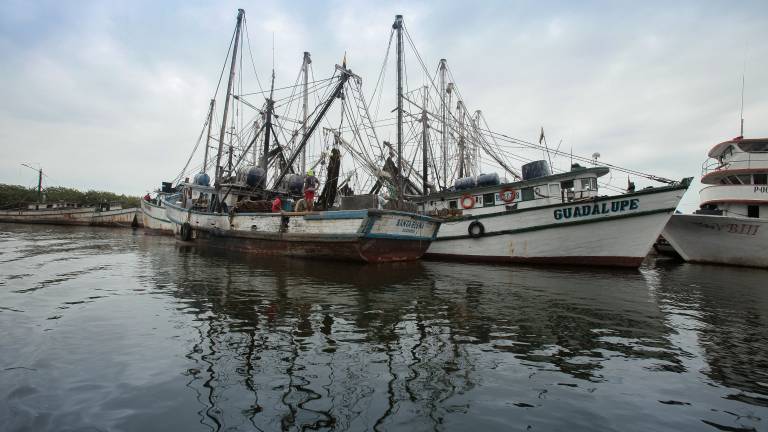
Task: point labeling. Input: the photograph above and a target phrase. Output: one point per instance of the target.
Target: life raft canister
(508, 194)
(467, 202)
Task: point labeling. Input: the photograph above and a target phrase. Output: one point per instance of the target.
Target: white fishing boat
(549, 219)
(154, 218)
(236, 211)
(106, 214)
(731, 226)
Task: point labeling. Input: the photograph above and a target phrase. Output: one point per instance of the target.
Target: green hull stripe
(562, 224)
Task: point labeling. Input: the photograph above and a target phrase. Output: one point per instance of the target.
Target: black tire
(186, 231)
(476, 229)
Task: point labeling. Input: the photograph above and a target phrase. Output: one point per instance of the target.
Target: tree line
(12, 196)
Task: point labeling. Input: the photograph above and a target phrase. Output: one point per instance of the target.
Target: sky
(111, 95)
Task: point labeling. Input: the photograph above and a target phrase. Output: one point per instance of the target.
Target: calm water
(116, 330)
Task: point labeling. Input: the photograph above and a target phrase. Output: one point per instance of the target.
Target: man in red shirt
(311, 184)
(277, 204)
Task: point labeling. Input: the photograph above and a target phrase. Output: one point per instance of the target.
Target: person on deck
(311, 183)
(147, 197)
(277, 204)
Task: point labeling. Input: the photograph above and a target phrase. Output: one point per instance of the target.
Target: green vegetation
(12, 196)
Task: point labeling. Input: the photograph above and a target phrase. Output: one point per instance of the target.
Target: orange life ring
(467, 205)
(512, 192)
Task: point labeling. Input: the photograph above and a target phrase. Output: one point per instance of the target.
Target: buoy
(476, 229)
(467, 202)
(507, 192)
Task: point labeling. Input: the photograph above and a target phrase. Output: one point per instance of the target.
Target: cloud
(113, 96)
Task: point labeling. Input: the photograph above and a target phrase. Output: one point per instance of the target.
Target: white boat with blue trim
(551, 219)
(363, 235)
(731, 226)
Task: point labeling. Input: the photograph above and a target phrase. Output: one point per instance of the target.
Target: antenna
(741, 113)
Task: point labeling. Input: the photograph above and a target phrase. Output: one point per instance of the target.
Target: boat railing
(743, 161)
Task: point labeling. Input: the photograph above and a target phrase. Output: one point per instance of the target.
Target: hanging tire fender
(186, 231)
(476, 229)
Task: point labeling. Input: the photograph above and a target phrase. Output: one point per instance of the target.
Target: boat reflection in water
(291, 344)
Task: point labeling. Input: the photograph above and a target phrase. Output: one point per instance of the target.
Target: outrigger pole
(219, 169)
(398, 26)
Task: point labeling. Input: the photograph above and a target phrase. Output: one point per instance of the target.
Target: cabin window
(568, 184)
(526, 194)
(753, 211)
(488, 200)
(754, 146)
(761, 179)
(554, 190)
(745, 178)
(453, 204)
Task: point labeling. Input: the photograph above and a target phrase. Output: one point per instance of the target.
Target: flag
(541, 137)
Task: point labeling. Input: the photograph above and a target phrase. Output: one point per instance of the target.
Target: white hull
(73, 216)
(154, 218)
(616, 231)
(355, 235)
(729, 240)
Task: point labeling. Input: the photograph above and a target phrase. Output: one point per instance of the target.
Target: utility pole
(232, 68)
(443, 133)
(305, 108)
(424, 143)
(398, 26)
(40, 185)
(208, 138)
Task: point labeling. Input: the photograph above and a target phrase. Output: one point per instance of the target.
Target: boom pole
(305, 108)
(208, 138)
(424, 144)
(219, 168)
(443, 133)
(398, 26)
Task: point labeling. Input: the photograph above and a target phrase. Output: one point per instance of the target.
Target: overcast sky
(111, 95)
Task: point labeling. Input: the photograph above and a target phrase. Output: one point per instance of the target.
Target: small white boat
(550, 219)
(153, 216)
(731, 226)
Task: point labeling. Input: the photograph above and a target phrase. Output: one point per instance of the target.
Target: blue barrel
(536, 169)
(202, 179)
(490, 179)
(464, 183)
(295, 184)
(287, 205)
(255, 177)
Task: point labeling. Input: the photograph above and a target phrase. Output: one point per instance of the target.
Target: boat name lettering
(409, 224)
(761, 189)
(732, 228)
(597, 208)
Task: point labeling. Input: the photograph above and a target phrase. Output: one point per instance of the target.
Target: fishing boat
(549, 219)
(236, 211)
(731, 225)
(540, 217)
(105, 214)
(153, 212)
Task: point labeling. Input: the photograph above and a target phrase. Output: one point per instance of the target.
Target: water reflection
(237, 342)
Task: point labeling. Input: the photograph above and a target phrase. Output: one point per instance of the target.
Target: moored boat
(551, 219)
(105, 214)
(731, 225)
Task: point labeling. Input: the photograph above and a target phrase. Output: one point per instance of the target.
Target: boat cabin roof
(749, 145)
(573, 174)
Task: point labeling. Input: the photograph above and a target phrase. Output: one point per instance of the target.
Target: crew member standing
(277, 204)
(311, 183)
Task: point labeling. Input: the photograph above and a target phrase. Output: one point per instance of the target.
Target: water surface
(104, 329)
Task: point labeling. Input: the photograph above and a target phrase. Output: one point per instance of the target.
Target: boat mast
(305, 108)
(208, 138)
(268, 126)
(460, 114)
(424, 143)
(443, 134)
(398, 26)
(219, 168)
